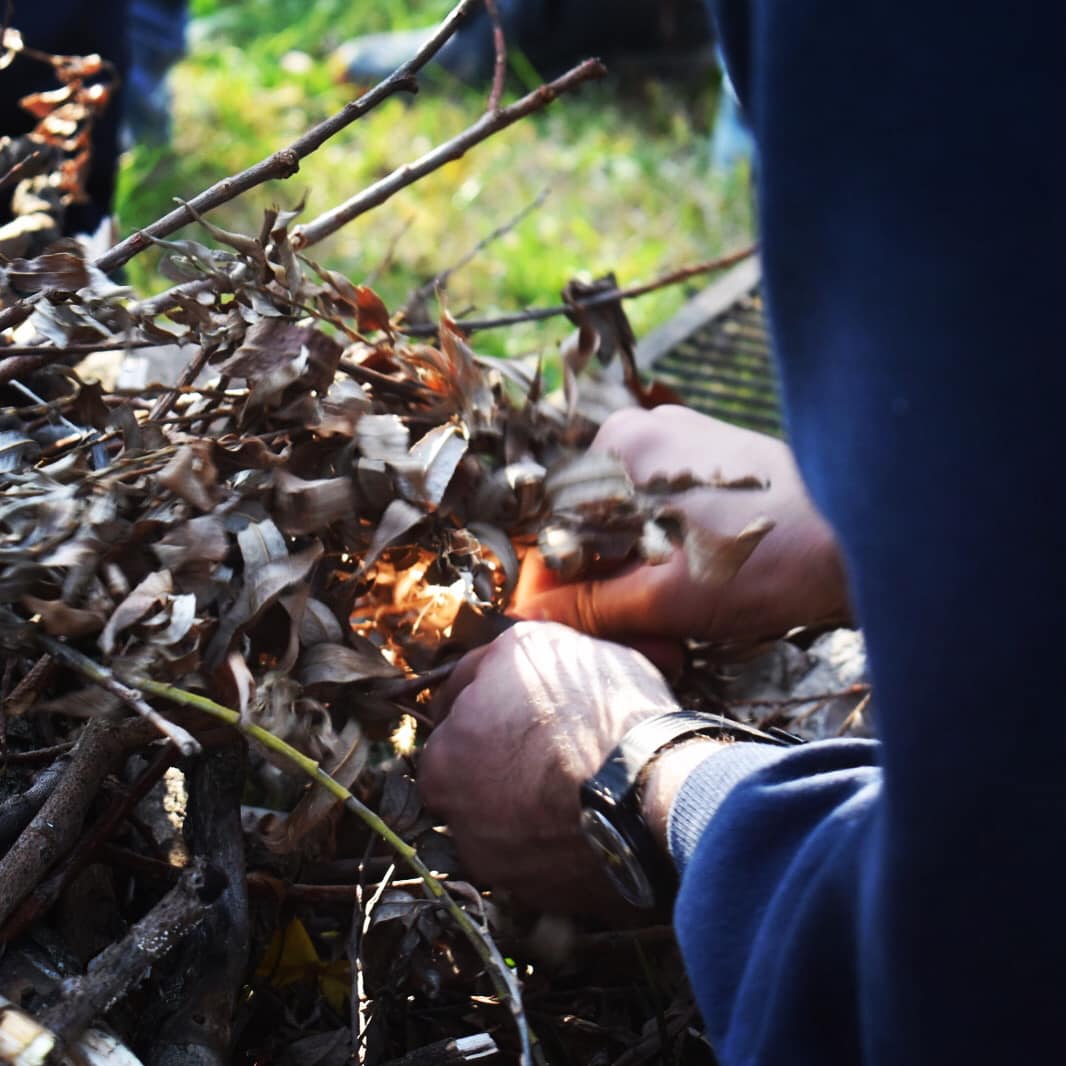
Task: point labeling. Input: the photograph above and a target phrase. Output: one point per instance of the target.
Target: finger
(617, 607)
(534, 579)
(464, 673)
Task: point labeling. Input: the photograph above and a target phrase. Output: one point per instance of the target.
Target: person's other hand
(794, 577)
(527, 719)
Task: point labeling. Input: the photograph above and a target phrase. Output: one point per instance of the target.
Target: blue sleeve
(912, 176)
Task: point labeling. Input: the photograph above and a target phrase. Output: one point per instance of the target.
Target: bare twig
(120, 966)
(188, 375)
(57, 824)
(17, 812)
(38, 754)
(440, 281)
(25, 693)
(536, 314)
(491, 122)
(115, 344)
(18, 365)
(182, 739)
(409, 686)
(14, 175)
(855, 714)
(499, 48)
(285, 162)
(47, 891)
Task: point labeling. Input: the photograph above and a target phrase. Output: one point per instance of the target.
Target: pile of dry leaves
(223, 605)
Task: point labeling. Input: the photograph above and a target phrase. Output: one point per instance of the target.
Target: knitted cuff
(705, 789)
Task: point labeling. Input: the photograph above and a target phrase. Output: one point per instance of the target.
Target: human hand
(794, 577)
(528, 719)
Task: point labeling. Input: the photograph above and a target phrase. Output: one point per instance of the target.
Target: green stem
(504, 981)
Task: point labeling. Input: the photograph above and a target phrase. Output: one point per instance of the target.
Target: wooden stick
(182, 739)
(118, 967)
(286, 161)
(499, 47)
(491, 122)
(535, 314)
(57, 825)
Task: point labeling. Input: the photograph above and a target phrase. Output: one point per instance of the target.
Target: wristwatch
(611, 814)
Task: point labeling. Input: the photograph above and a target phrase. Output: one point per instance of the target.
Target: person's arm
(911, 196)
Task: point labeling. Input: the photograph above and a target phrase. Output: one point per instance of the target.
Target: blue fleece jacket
(902, 903)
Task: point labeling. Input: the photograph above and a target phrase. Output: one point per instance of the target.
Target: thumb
(614, 607)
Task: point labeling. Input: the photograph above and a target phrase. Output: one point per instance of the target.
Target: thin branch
(859, 689)
(499, 48)
(440, 281)
(182, 739)
(57, 825)
(409, 686)
(122, 964)
(18, 365)
(115, 344)
(285, 162)
(492, 122)
(188, 375)
(503, 980)
(536, 314)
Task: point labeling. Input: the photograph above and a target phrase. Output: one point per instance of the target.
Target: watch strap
(613, 791)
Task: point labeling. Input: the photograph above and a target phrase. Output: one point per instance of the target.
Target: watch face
(618, 859)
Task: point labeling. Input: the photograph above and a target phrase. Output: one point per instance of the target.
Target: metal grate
(716, 354)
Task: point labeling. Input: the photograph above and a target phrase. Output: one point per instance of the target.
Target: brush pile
(224, 604)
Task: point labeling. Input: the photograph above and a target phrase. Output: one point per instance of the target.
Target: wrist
(615, 808)
(665, 775)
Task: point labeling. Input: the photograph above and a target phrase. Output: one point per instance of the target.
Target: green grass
(627, 168)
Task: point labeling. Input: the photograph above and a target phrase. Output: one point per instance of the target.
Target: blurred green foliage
(626, 166)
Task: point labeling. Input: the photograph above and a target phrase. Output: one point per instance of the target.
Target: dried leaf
(16, 451)
(197, 541)
(263, 584)
(383, 437)
(285, 835)
(273, 355)
(399, 518)
(319, 625)
(714, 559)
(502, 550)
(593, 484)
(607, 322)
(371, 312)
(59, 620)
(338, 664)
(261, 543)
(310, 506)
(57, 271)
(673, 484)
(192, 475)
(151, 592)
(238, 679)
(182, 617)
(291, 958)
(12, 45)
(426, 472)
(342, 409)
